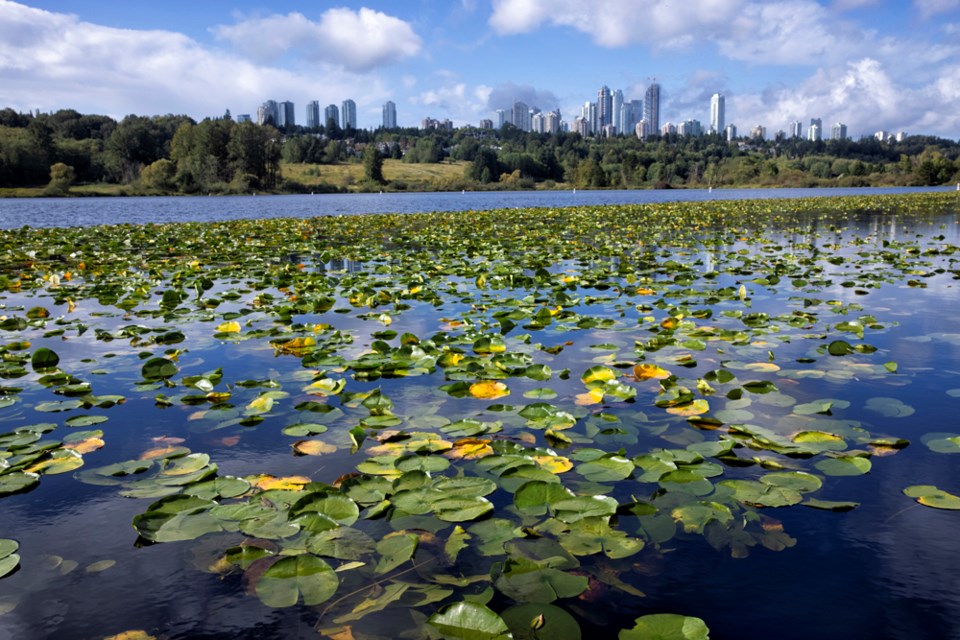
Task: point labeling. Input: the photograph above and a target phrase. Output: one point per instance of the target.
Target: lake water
(846, 329)
(68, 212)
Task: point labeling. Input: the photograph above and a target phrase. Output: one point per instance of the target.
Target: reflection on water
(887, 569)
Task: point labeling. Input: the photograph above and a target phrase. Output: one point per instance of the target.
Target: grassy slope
(438, 176)
(393, 170)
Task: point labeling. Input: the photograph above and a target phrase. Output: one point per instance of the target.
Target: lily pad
(304, 576)
(666, 626)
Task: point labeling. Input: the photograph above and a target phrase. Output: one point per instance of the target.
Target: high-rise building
(796, 129)
(731, 131)
(631, 112)
(551, 122)
(581, 126)
(521, 116)
(651, 106)
(313, 114)
(268, 113)
(690, 128)
(348, 114)
(604, 107)
(501, 118)
(759, 132)
(717, 113)
(331, 114)
(642, 129)
(537, 123)
(838, 131)
(815, 132)
(389, 115)
(486, 123)
(589, 113)
(285, 115)
(617, 111)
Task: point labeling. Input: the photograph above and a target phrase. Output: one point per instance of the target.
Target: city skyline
(873, 65)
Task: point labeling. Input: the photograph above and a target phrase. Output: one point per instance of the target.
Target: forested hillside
(53, 153)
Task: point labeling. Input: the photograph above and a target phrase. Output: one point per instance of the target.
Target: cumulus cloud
(688, 101)
(847, 5)
(933, 7)
(51, 61)
(862, 94)
(785, 32)
(356, 40)
(617, 23)
(445, 98)
(795, 32)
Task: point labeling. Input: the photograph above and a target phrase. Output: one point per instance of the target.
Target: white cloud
(863, 95)
(482, 93)
(52, 61)
(617, 23)
(847, 5)
(356, 40)
(795, 32)
(933, 7)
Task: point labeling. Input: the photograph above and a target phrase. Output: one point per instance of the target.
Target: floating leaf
(668, 626)
(469, 621)
(598, 373)
(829, 505)
(844, 466)
(158, 369)
(650, 372)
(231, 326)
(489, 390)
(931, 496)
(288, 483)
(533, 621)
(44, 358)
(9, 559)
(394, 550)
(313, 447)
(289, 579)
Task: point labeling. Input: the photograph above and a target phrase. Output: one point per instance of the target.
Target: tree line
(176, 154)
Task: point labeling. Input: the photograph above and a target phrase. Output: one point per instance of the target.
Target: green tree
(255, 155)
(61, 177)
(485, 166)
(373, 164)
(159, 176)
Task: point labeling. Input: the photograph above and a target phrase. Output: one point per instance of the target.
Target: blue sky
(870, 64)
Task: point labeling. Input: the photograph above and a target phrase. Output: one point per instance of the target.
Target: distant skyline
(869, 64)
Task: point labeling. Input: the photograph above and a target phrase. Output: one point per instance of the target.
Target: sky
(871, 64)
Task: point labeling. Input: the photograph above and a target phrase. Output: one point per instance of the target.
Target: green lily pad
(469, 621)
(44, 358)
(930, 496)
(304, 576)
(534, 621)
(17, 481)
(9, 559)
(158, 369)
(666, 626)
(844, 466)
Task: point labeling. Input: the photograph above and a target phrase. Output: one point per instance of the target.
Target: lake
(742, 412)
(68, 212)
